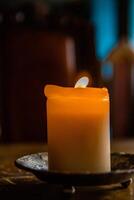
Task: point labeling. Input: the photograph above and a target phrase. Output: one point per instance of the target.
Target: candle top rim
(54, 91)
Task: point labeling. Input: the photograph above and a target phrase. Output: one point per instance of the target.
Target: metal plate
(122, 170)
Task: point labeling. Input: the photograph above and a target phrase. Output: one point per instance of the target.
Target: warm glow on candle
(78, 128)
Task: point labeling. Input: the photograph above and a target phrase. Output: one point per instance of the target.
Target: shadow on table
(45, 191)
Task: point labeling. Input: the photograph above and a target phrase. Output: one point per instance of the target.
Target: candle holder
(122, 169)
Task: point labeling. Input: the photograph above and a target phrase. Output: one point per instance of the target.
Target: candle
(78, 129)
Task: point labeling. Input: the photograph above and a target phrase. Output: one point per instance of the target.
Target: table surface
(21, 184)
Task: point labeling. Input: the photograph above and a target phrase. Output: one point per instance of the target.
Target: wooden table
(23, 185)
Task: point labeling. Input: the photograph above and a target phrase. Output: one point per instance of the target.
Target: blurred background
(56, 41)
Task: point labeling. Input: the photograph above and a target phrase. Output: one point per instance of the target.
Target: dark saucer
(122, 171)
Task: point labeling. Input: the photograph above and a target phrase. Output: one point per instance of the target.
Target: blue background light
(131, 22)
(104, 18)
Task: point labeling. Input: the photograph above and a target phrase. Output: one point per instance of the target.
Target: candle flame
(82, 82)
